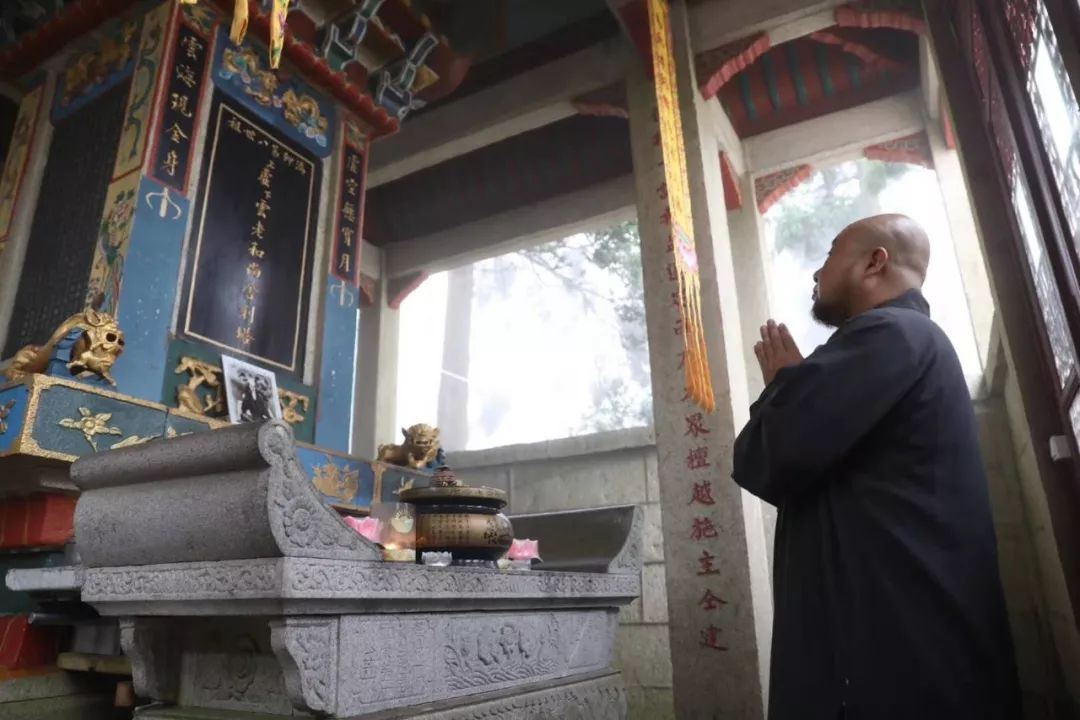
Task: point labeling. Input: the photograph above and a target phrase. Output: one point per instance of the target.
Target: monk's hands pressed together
(776, 351)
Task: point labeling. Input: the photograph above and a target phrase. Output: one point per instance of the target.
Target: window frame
(1034, 165)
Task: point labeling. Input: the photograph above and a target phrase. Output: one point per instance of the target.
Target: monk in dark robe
(888, 600)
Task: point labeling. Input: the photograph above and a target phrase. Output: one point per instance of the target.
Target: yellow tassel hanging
(279, 11)
(695, 357)
(239, 22)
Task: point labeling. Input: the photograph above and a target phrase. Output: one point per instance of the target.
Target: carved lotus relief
(500, 653)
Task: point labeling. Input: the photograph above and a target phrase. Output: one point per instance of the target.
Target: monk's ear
(879, 258)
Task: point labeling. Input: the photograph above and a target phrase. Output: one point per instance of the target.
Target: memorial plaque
(248, 276)
(64, 233)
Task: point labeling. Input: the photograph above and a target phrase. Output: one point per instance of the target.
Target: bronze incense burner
(464, 521)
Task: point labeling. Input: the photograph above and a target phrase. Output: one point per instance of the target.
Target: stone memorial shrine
(237, 588)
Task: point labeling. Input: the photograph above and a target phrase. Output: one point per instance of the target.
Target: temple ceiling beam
(597, 206)
(717, 22)
(836, 136)
(530, 100)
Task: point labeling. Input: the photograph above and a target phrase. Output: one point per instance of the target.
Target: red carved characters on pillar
(703, 529)
(706, 564)
(711, 601)
(698, 458)
(703, 494)
(710, 638)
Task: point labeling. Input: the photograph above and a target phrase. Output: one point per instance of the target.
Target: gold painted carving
(204, 373)
(187, 396)
(90, 425)
(93, 67)
(5, 410)
(290, 406)
(420, 447)
(302, 111)
(133, 440)
(335, 481)
(94, 353)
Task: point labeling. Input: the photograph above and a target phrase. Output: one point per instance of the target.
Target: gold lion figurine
(421, 446)
(95, 352)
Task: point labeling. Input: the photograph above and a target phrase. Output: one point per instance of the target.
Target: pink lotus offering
(366, 526)
(524, 549)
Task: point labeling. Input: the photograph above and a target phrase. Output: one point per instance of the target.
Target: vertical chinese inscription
(180, 103)
(350, 207)
(249, 270)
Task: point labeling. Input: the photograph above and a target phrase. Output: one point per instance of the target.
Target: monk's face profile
(837, 281)
(870, 262)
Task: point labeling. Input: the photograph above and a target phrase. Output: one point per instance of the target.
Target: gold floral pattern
(5, 410)
(90, 425)
(335, 481)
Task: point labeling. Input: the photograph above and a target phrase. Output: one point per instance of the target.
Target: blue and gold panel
(344, 482)
(392, 479)
(13, 404)
(279, 98)
(149, 287)
(68, 420)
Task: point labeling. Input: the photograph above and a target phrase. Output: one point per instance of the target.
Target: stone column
(374, 415)
(969, 256)
(15, 226)
(751, 262)
(719, 601)
(750, 258)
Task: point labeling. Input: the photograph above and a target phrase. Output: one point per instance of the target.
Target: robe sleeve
(813, 414)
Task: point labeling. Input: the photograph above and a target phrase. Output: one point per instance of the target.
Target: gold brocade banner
(677, 193)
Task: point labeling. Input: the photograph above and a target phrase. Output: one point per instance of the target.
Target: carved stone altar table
(240, 594)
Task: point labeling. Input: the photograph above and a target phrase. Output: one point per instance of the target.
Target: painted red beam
(769, 189)
(35, 46)
(862, 17)
(732, 192)
(856, 46)
(716, 67)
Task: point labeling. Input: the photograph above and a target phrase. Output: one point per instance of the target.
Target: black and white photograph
(251, 392)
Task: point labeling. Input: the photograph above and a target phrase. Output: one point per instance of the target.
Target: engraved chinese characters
(172, 149)
(254, 230)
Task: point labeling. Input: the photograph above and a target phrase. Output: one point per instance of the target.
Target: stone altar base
(239, 594)
(601, 697)
(56, 695)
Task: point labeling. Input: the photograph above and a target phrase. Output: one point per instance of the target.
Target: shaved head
(871, 262)
(902, 238)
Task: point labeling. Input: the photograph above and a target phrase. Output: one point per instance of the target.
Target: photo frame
(250, 391)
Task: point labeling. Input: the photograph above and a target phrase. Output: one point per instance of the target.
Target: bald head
(903, 239)
(871, 262)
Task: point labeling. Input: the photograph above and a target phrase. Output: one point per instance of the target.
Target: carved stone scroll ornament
(154, 650)
(301, 523)
(307, 649)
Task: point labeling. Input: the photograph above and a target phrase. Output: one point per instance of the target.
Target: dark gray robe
(888, 600)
